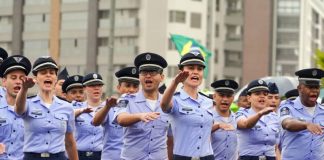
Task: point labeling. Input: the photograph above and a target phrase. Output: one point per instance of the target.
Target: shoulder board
(205, 95)
(176, 93)
(29, 97)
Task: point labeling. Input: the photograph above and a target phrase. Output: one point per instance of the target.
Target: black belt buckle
(89, 154)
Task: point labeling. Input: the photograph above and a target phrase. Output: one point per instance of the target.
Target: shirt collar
(141, 98)
(184, 95)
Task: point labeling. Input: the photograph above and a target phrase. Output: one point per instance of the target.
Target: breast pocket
(256, 133)
(80, 121)
(37, 114)
(61, 122)
(162, 125)
(5, 128)
(189, 116)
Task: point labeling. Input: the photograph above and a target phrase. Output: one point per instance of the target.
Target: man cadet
(11, 125)
(73, 89)
(273, 98)
(303, 119)
(224, 140)
(58, 86)
(113, 133)
(146, 125)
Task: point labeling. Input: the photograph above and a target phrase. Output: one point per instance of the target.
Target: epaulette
(208, 96)
(176, 93)
(29, 97)
(76, 103)
(128, 95)
(122, 103)
(63, 99)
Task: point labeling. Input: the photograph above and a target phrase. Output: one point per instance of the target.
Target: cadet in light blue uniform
(190, 112)
(146, 126)
(89, 137)
(11, 125)
(258, 127)
(224, 139)
(303, 119)
(113, 133)
(49, 121)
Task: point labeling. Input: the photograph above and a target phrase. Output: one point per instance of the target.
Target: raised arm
(249, 122)
(166, 103)
(102, 113)
(20, 106)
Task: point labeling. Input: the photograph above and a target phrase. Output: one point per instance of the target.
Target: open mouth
(272, 105)
(48, 82)
(195, 78)
(17, 88)
(262, 101)
(148, 81)
(313, 97)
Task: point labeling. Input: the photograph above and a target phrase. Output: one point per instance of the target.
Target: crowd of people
(69, 119)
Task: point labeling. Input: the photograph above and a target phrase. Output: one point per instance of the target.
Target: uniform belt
(256, 158)
(89, 153)
(179, 157)
(44, 155)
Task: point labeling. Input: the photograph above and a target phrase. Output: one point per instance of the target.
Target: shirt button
(15, 118)
(14, 130)
(187, 112)
(11, 142)
(149, 153)
(151, 139)
(198, 106)
(227, 146)
(48, 111)
(201, 115)
(267, 134)
(152, 126)
(49, 121)
(201, 126)
(48, 131)
(46, 142)
(198, 147)
(199, 137)
(116, 126)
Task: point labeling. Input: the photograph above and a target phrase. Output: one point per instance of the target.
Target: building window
(216, 56)
(195, 20)
(289, 7)
(315, 17)
(177, 16)
(232, 59)
(103, 42)
(103, 14)
(217, 30)
(217, 5)
(286, 38)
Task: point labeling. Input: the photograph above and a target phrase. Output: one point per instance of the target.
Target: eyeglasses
(151, 73)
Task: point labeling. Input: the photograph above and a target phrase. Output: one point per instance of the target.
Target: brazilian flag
(185, 45)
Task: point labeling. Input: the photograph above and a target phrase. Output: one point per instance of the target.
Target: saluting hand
(150, 116)
(110, 102)
(314, 128)
(27, 82)
(266, 110)
(87, 110)
(2, 148)
(181, 76)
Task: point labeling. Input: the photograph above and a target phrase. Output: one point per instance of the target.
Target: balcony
(233, 45)
(120, 4)
(234, 17)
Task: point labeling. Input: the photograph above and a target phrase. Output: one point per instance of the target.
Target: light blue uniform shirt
(87, 136)
(224, 143)
(144, 141)
(261, 139)
(113, 137)
(11, 131)
(191, 122)
(45, 128)
(303, 144)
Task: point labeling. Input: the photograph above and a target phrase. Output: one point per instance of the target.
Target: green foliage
(319, 60)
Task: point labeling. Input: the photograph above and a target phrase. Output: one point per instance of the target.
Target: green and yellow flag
(185, 44)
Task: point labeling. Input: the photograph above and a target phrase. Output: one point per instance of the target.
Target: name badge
(37, 112)
(187, 109)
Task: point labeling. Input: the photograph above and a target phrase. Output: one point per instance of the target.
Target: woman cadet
(190, 112)
(49, 121)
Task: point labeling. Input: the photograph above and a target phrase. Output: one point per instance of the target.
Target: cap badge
(133, 70)
(95, 76)
(260, 81)
(18, 59)
(314, 72)
(76, 78)
(148, 57)
(227, 83)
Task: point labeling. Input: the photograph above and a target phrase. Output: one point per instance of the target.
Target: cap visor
(94, 83)
(193, 63)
